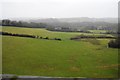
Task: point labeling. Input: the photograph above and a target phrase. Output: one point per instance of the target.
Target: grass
(0, 51)
(98, 31)
(66, 58)
(43, 32)
(0, 28)
(0, 54)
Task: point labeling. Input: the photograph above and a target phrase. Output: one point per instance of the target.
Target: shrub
(114, 43)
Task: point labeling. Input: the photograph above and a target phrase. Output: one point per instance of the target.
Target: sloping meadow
(66, 58)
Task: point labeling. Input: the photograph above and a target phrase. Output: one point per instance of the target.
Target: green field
(98, 31)
(1, 55)
(45, 33)
(67, 58)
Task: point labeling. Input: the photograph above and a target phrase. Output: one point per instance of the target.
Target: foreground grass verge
(25, 56)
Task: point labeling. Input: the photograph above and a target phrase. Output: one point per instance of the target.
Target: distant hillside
(65, 24)
(82, 19)
(77, 19)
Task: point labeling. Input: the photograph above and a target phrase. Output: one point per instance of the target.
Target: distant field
(85, 58)
(98, 31)
(45, 33)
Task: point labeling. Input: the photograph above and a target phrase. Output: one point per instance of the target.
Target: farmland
(43, 32)
(89, 58)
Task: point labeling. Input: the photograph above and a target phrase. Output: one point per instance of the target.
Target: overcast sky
(58, 8)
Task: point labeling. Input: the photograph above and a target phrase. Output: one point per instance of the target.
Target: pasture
(67, 58)
(45, 33)
(98, 31)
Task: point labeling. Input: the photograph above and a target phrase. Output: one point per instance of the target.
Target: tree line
(28, 36)
(7, 22)
(63, 27)
(91, 37)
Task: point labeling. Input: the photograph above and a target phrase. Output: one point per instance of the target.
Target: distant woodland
(63, 25)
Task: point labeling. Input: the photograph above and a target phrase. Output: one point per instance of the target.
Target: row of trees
(28, 36)
(91, 37)
(66, 29)
(7, 22)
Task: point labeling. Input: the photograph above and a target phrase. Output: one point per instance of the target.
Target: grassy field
(0, 52)
(1, 55)
(45, 33)
(66, 58)
(98, 31)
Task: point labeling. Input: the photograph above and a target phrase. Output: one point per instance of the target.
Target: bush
(114, 43)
